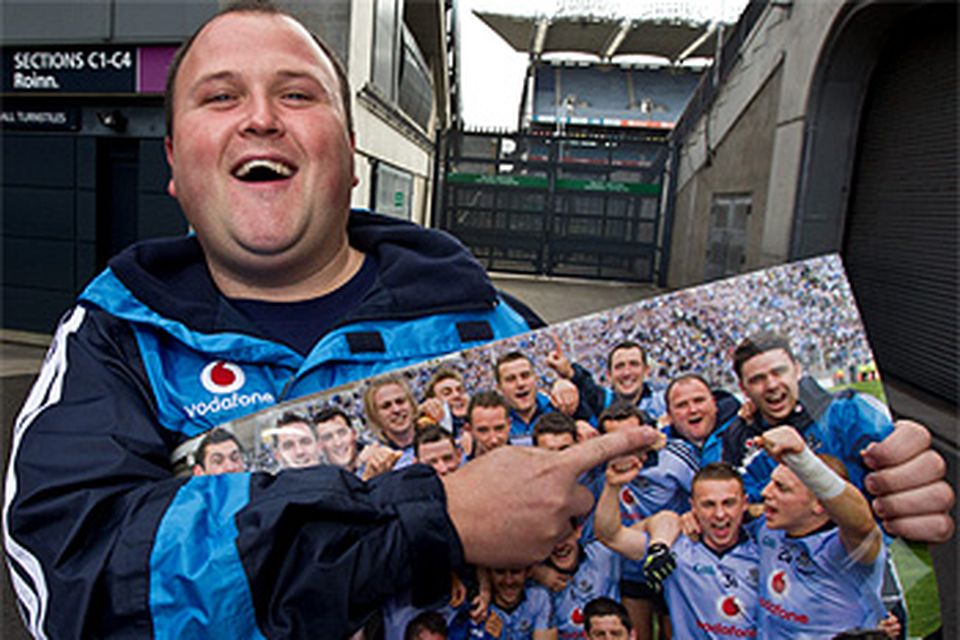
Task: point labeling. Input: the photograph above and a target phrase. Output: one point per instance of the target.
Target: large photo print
(528, 390)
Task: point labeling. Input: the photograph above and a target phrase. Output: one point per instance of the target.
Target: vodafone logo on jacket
(224, 381)
(222, 377)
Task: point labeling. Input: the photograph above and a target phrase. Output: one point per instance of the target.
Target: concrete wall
(755, 129)
(740, 164)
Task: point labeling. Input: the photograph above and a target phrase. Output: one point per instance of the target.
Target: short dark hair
(441, 374)
(554, 422)
(757, 344)
(217, 435)
(603, 606)
(431, 433)
(684, 378)
(717, 471)
(328, 413)
(488, 400)
(510, 356)
(425, 621)
(625, 344)
(265, 7)
(621, 410)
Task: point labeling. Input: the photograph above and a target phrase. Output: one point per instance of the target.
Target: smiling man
(627, 370)
(390, 411)
(281, 292)
(712, 592)
(845, 425)
(520, 610)
(517, 381)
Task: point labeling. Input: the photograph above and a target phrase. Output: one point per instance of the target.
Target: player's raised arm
(842, 502)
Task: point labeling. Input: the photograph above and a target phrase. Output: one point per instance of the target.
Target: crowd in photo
(747, 518)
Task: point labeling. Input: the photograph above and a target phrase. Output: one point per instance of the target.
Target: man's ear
(168, 150)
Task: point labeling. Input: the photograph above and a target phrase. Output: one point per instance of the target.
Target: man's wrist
(822, 481)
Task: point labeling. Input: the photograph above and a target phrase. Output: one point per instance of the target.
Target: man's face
(338, 442)
(787, 503)
(507, 586)
(772, 381)
(261, 160)
(489, 428)
(518, 384)
(450, 390)
(692, 409)
(442, 455)
(608, 628)
(223, 457)
(394, 411)
(297, 446)
(628, 371)
(718, 506)
(555, 441)
(566, 552)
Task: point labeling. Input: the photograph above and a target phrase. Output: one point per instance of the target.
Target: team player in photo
(712, 591)
(821, 553)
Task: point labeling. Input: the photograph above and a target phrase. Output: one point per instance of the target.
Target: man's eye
(296, 96)
(218, 98)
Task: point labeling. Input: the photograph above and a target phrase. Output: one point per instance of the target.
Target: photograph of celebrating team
(746, 517)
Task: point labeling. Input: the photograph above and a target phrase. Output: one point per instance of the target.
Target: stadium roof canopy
(674, 39)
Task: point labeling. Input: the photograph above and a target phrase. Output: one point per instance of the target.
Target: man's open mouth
(263, 170)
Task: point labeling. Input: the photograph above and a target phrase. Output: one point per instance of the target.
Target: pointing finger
(586, 455)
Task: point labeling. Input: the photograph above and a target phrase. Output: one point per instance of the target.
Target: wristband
(822, 481)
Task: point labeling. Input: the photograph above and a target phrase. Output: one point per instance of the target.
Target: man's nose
(262, 117)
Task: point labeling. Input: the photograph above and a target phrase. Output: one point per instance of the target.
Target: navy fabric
(104, 542)
(300, 324)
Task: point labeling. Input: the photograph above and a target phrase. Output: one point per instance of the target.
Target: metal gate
(556, 205)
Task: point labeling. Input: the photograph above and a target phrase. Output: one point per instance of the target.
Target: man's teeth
(262, 168)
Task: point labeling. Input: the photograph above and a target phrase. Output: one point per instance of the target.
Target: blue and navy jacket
(841, 425)
(103, 541)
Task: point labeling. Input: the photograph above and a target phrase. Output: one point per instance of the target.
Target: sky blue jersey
(811, 588)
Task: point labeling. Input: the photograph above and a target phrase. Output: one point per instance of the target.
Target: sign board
(85, 70)
(40, 118)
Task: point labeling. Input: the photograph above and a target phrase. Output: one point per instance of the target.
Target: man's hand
(558, 361)
(690, 525)
(527, 496)
(622, 470)
(377, 459)
(550, 577)
(910, 495)
(781, 440)
(585, 431)
(658, 566)
(432, 407)
(565, 396)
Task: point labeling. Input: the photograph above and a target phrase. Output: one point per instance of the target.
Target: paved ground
(555, 301)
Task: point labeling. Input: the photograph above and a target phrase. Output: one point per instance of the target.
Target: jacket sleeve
(102, 541)
(592, 395)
